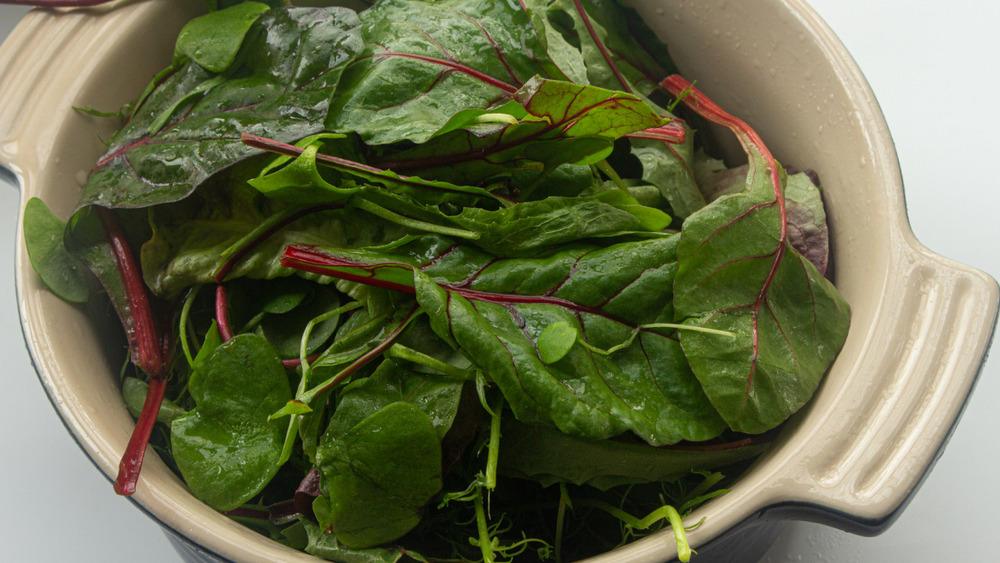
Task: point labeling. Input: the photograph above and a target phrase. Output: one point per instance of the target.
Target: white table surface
(933, 68)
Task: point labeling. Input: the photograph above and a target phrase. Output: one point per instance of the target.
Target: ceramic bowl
(852, 458)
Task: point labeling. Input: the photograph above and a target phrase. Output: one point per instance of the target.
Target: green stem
(304, 343)
(564, 502)
(610, 172)
(400, 352)
(379, 211)
(182, 331)
(485, 542)
(636, 330)
(493, 451)
(311, 394)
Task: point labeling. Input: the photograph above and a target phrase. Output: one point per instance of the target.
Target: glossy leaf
(213, 40)
(425, 61)
(43, 239)
(436, 395)
(379, 475)
(494, 310)
(288, 67)
(738, 272)
(226, 449)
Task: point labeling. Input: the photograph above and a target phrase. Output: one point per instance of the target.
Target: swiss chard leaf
(279, 87)
(425, 61)
(555, 123)
(494, 310)
(192, 238)
(226, 448)
(738, 272)
(379, 474)
(618, 55)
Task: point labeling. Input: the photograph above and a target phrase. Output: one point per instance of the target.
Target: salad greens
(446, 280)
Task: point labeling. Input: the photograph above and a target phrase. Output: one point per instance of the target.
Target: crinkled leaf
(379, 475)
(213, 40)
(494, 311)
(225, 448)
(43, 238)
(425, 61)
(544, 454)
(738, 272)
(280, 87)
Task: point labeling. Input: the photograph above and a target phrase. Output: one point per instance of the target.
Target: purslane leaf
(280, 87)
(738, 272)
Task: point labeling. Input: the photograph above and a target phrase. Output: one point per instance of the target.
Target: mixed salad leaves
(445, 280)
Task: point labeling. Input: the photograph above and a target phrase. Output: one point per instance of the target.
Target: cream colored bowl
(921, 324)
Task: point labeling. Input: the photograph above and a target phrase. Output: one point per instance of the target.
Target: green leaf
(425, 61)
(555, 341)
(226, 449)
(279, 87)
(606, 34)
(194, 237)
(379, 474)
(494, 310)
(544, 454)
(558, 123)
(213, 40)
(436, 395)
(43, 238)
(669, 168)
(738, 272)
(327, 546)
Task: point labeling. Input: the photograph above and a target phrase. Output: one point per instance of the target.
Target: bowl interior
(772, 63)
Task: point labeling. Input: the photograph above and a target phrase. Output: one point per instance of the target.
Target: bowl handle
(862, 465)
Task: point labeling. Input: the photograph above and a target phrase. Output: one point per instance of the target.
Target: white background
(933, 67)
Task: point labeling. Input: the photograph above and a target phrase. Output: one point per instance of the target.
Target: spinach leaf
(43, 238)
(738, 272)
(213, 40)
(494, 310)
(436, 395)
(226, 448)
(424, 62)
(379, 475)
(286, 71)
